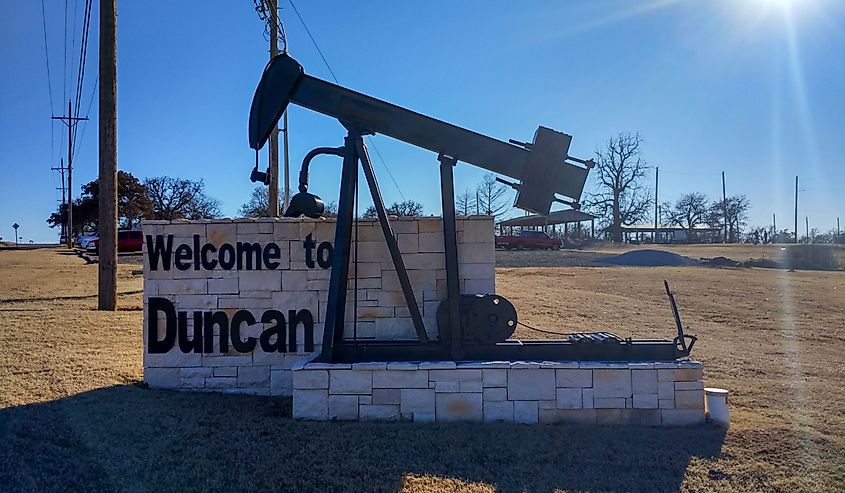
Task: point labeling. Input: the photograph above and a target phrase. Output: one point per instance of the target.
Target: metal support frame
(450, 243)
(354, 150)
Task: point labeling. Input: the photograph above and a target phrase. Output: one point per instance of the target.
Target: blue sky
(751, 87)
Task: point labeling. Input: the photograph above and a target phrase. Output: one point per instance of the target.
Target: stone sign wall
(647, 393)
(232, 306)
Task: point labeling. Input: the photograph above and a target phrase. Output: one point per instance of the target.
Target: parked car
(537, 240)
(85, 240)
(128, 240)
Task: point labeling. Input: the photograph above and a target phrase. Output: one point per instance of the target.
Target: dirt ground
(74, 418)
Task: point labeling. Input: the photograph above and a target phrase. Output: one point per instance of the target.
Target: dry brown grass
(73, 418)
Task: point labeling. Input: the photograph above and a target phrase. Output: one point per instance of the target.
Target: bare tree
(406, 208)
(735, 210)
(179, 198)
(465, 203)
(689, 211)
(491, 196)
(620, 199)
(258, 205)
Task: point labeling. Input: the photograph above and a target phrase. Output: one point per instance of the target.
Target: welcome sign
(232, 305)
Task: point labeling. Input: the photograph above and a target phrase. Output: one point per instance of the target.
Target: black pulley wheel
(485, 318)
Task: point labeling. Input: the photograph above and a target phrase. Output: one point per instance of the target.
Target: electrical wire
(543, 331)
(334, 77)
(47, 56)
(87, 113)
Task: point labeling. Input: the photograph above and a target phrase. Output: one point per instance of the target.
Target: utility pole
(774, 227)
(70, 121)
(107, 248)
(273, 161)
(724, 208)
(61, 170)
(837, 230)
(807, 226)
(796, 210)
(656, 181)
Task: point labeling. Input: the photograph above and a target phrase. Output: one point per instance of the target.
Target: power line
(87, 112)
(334, 77)
(47, 57)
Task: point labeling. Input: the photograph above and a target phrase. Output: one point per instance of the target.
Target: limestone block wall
(649, 393)
(248, 297)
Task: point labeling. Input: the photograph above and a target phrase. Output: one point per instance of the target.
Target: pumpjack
(470, 327)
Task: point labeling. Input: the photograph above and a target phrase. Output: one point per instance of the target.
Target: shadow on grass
(129, 438)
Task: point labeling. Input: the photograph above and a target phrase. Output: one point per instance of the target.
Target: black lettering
(238, 318)
(159, 251)
(206, 263)
(249, 251)
(277, 330)
(195, 343)
(272, 252)
(163, 305)
(183, 257)
(196, 252)
(307, 320)
(309, 247)
(227, 256)
(221, 320)
(324, 254)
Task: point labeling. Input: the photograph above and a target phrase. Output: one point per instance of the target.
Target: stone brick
(587, 398)
(569, 398)
(688, 374)
(182, 286)
(666, 403)
(574, 378)
(666, 390)
(431, 242)
(172, 359)
(223, 286)
(495, 394)
(458, 375)
(689, 385)
(478, 286)
(645, 401)
(227, 360)
(224, 371)
(281, 382)
(221, 382)
(394, 379)
(526, 412)
(495, 377)
(470, 386)
(437, 365)
(294, 280)
(644, 381)
(612, 383)
(350, 382)
(387, 396)
(408, 243)
(531, 384)
(424, 417)
(458, 407)
(446, 386)
(286, 230)
(192, 383)
(310, 379)
(417, 401)
(498, 411)
(163, 378)
(196, 302)
(196, 372)
(343, 407)
(254, 376)
(378, 412)
(609, 402)
(681, 417)
(310, 404)
(689, 399)
(569, 416)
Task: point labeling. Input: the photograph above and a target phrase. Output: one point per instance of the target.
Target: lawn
(73, 415)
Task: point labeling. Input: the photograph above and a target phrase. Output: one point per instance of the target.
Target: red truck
(128, 240)
(537, 240)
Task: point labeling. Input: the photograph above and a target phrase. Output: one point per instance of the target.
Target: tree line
(160, 197)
